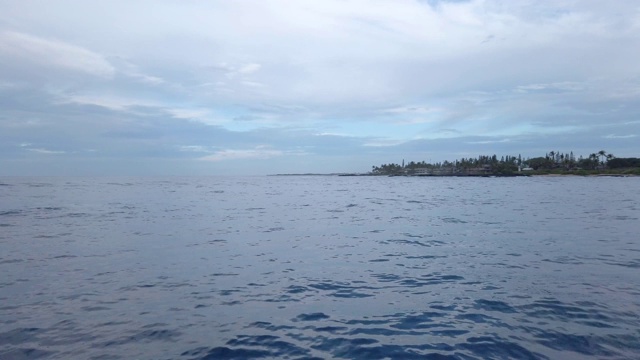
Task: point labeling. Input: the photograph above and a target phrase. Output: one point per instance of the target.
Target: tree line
(509, 164)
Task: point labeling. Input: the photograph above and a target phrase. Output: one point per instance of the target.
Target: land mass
(552, 163)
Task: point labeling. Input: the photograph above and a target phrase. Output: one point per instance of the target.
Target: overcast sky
(257, 87)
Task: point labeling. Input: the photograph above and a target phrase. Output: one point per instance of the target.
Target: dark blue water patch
(366, 322)
(144, 336)
(452, 220)
(423, 320)
(413, 235)
(405, 242)
(217, 241)
(38, 185)
(311, 317)
(329, 329)
(296, 289)
(564, 260)
(382, 331)
(269, 326)
(476, 318)
(428, 280)
(274, 229)
(424, 257)
(11, 213)
(493, 305)
(366, 348)
(26, 354)
(95, 308)
(341, 289)
(223, 274)
(20, 336)
(275, 346)
(224, 353)
(64, 257)
(450, 307)
(327, 285)
(495, 347)
(232, 302)
(120, 183)
(11, 261)
(50, 208)
(555, 309)
(281, 298)
(449, 332)
(634, 264)
(623, 343)
(333, 344)
(66, 333)
(582, 344)
(250, 347)
(597, 324)
(76, 215)
(349, 293)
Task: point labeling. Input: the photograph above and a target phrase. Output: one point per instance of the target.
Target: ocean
(320, 267)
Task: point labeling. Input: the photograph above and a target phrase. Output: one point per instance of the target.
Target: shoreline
(454, 175)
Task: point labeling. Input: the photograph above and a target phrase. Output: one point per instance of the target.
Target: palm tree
(551, 159)
(602, 154)
(609, 157)
(594, 159)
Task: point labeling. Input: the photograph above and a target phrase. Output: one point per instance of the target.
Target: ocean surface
(320, 267)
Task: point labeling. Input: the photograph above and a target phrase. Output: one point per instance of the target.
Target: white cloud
(612, 136)
(46, 151)
(562, 86)
(196, 148)
(249, 68)
(384, 143)
(490, 141)
(107, 101)
(188, 113)
(241, 154)
(54, 53)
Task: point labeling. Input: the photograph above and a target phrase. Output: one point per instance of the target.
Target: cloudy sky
(165, 87)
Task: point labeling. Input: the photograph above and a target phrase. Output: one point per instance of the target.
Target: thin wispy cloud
(51, 54)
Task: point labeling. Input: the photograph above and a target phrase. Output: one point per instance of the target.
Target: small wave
(492, 305)
(311, 317)
(26, 353)
(144, 336)
(11, 261)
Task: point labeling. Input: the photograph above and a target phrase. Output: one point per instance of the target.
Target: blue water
(320, 267)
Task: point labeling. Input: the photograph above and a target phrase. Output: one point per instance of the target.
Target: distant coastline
(554, 163)
(532, 174)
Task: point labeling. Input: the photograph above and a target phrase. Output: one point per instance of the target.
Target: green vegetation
(554, 162)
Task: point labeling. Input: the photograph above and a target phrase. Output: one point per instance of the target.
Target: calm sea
(319, 267)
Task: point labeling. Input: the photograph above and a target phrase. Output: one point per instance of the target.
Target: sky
(251, 87)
